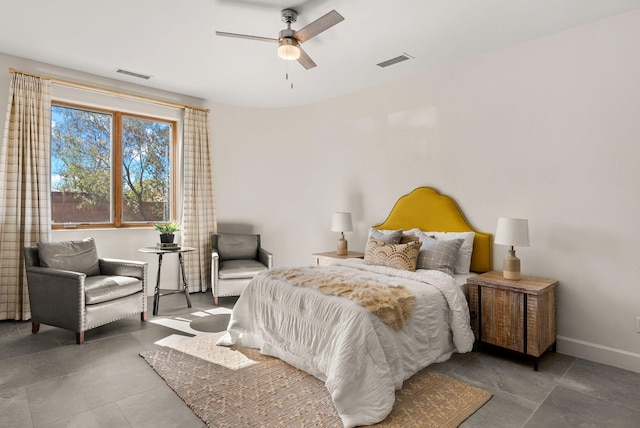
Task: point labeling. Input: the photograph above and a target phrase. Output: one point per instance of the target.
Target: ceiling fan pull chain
(289, 69)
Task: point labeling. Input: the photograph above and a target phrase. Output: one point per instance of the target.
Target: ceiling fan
(289, 40)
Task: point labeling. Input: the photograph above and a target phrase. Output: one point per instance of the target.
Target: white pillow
(388, 236)
(462, 263)
(410, 235)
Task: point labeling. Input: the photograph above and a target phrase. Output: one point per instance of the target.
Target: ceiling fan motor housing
(288, 41)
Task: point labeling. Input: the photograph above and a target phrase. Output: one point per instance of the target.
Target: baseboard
(598, 353)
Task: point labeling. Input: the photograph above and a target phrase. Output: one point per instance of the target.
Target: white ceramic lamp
(341, 222)
(513, 232)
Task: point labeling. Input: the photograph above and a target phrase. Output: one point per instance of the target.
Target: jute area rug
(239, 387)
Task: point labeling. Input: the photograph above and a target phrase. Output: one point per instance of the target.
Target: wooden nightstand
(516, 315)
(323, 259)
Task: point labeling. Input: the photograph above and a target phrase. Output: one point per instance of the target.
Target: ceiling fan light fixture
(289, 49)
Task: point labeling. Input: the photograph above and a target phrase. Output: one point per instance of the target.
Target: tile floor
(46, 380)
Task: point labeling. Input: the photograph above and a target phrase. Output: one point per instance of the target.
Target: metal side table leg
(184, 280)
(156, 293)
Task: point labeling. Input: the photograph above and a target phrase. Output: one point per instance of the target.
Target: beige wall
(547, 130)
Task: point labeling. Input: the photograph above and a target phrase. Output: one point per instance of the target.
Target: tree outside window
(110, 168)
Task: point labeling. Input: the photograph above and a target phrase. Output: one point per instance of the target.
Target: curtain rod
(107, 91)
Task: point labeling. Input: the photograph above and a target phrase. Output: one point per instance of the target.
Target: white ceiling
(174, 41)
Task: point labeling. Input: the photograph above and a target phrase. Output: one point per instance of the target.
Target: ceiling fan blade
(318, 26)
(246, 36)
(305, 60)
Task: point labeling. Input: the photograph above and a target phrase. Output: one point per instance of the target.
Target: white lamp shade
(341, 222)
(512, 231)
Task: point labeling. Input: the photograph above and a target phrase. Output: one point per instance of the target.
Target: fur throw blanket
(393, 304)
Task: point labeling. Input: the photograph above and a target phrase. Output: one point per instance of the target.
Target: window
(110, 168)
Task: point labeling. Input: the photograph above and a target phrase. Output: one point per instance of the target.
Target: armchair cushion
(233, 246)
(238, 269)
(78, 256)
(102, 288)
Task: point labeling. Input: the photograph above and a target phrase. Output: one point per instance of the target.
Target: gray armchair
(236, 258)
(71, 288)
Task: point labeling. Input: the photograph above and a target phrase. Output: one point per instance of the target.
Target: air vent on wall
(395, 60)
(133, 74)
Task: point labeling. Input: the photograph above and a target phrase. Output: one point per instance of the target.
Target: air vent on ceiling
(133, 74)
(395, 60)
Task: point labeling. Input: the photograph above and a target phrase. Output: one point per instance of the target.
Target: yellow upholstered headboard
(428, 210)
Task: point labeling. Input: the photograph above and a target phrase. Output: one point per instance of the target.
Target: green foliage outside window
(86, 155)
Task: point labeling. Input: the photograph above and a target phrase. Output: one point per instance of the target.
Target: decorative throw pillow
(438, 255)
(76, 256)
(463, 258)
(398, 256)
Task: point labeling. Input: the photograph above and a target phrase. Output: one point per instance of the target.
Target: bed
(364, 350)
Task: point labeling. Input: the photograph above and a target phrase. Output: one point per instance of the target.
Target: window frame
(116, 168)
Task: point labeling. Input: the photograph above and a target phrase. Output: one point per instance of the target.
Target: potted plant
(167, 230)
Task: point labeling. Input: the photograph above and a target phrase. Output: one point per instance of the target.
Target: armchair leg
(143, 316)
(215, 300)
(80, 338)
(35, 327)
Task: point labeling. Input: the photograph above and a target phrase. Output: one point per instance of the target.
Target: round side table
(160, 252)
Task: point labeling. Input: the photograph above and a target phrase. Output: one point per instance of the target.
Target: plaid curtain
(25, 213)
(198, 209)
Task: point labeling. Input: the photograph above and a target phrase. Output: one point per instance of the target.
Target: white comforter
(361, 360)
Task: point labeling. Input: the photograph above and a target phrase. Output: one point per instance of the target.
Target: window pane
(80, 166)
(146, 171)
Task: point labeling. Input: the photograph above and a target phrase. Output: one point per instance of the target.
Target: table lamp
(513, 232)
(341, 222)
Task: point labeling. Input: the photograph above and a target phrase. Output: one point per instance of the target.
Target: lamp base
(342, 247)
(511, 266)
